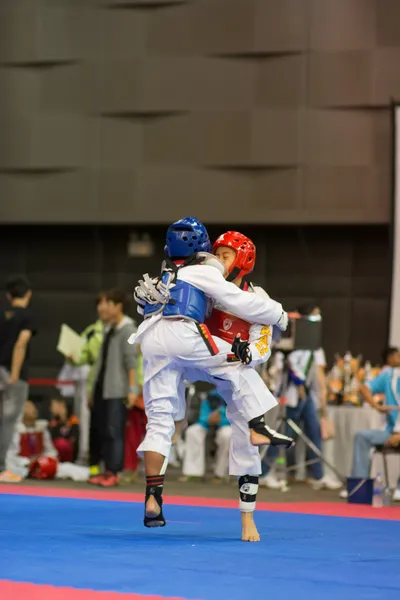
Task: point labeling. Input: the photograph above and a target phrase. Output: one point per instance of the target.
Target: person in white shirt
(306, 395)
(176, 345)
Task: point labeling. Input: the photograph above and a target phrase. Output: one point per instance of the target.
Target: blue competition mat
(102, 545)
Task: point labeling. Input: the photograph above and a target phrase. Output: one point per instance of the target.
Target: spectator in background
(115, 389)
(30, 440)
(212, 414)
(306, 394)
(64, 430)
(390, 358)
(388, 384)
(16, 330)
(93, 335)
(32, 453)
(135, 430)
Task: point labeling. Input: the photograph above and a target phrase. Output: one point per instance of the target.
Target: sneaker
(97, 479)
(109, 480)
(128, 477)
(217, 480)
(326, 483)
(271, 482)
(396, 495)
(190, 478)
(8, 477)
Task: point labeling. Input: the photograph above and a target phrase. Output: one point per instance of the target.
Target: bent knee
(194, 431)
(225, 433)
(363, 436)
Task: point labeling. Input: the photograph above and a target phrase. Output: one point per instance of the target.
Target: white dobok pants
(194, 461)
(173, 350)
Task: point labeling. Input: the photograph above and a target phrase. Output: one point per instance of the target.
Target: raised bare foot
(249, 529)
(257, 439)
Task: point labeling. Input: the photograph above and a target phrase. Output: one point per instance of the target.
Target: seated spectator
(32, 453)
(387, 383)
(30, 441)
(64, 430)
(390, 358)
(212, 414)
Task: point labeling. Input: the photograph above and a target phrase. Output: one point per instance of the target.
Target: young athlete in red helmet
(251, 344)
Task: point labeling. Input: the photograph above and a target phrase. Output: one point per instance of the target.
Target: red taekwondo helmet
(245, 253)
(44, 467)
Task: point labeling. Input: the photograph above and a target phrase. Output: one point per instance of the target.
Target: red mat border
(330, 509)
(10, 590)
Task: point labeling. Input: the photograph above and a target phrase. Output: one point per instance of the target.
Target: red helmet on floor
(44, 467)
(245, 253)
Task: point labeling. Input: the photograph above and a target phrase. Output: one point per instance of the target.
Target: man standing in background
(93, 335)
(115, 389)
(16, 331)
(306, 396)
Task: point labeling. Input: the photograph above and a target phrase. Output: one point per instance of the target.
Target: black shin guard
(154, 487)
(274, 438)
(248, 488)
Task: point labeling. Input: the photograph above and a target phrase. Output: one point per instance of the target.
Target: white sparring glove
(283, 321)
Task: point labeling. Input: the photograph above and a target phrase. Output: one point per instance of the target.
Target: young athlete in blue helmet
(176, 345)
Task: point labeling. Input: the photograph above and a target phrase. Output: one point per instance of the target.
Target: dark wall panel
(109, 108)
(345, 269)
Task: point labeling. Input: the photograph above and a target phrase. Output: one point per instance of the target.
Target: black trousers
(107, 433)
(95, 440)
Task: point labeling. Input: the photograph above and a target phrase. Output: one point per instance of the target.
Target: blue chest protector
(185, 301)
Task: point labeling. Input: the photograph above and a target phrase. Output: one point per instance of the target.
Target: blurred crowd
(91, 428)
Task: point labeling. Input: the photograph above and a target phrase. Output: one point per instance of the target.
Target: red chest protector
(226, 326)
(31, 444)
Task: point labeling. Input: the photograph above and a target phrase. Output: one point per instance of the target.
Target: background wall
(115, 112)
(345, 269)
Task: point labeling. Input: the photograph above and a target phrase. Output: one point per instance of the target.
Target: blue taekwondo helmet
(186, 237)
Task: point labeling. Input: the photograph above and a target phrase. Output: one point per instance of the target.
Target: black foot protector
(275, 438)
(154, 488)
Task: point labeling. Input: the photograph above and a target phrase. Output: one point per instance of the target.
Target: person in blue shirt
(387, 383)
(212, 414)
